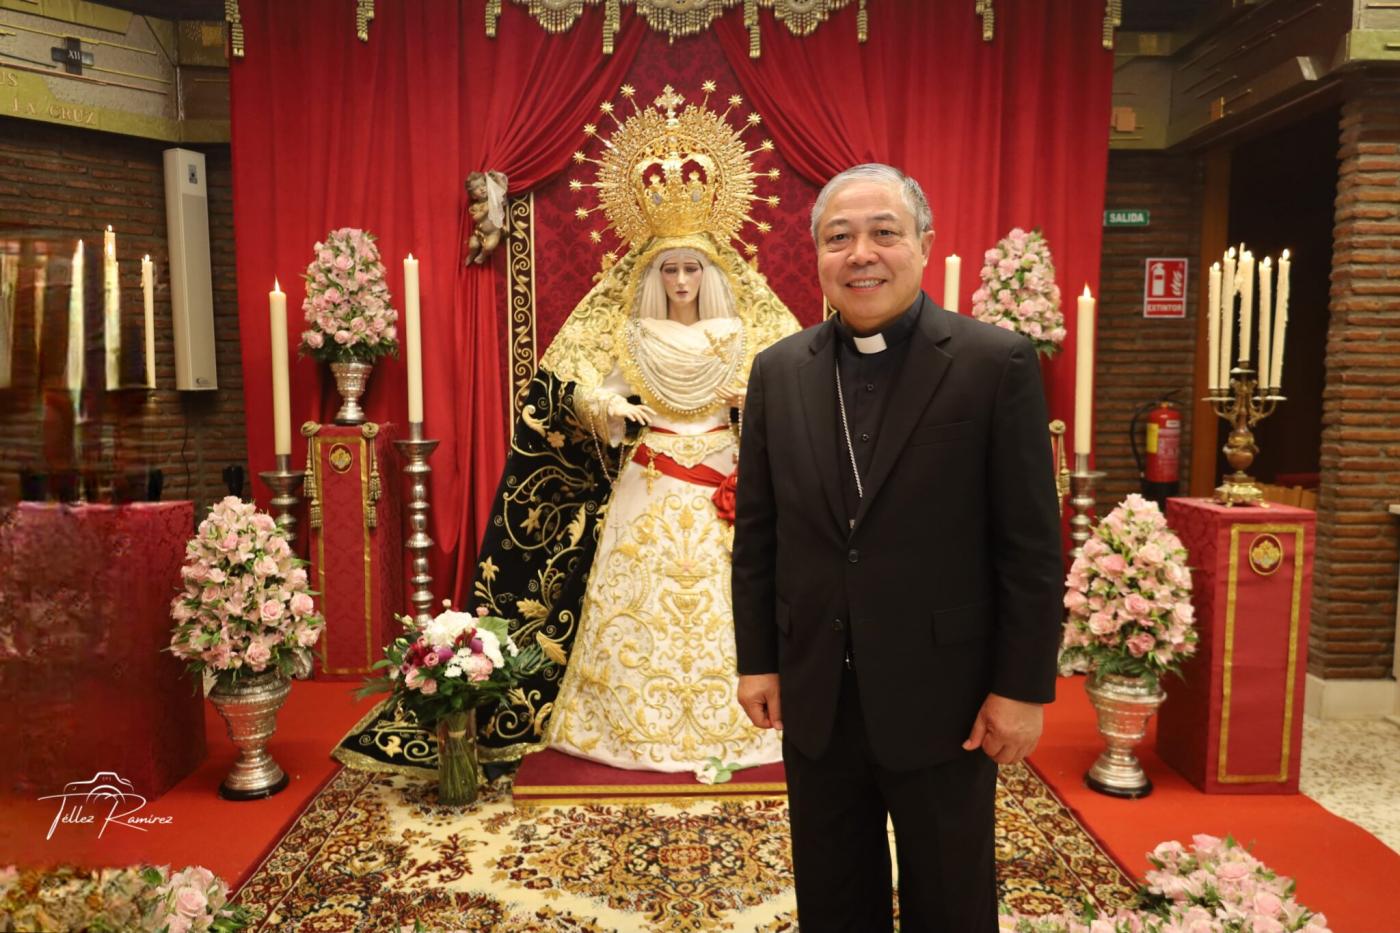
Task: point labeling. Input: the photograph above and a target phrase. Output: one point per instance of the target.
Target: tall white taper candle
(1280, 320)
(413, 340)
(1227, 318)
(281, 380)
(75, 367)
(952, 269)
(1084, 373)
(1266, 313)
(148, 297)
(1246, 275)
(1213, 328)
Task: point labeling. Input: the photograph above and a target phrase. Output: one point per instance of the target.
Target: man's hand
(758, 695)
(1006, 730)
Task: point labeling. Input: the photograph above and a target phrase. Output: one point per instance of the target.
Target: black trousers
(944, 824)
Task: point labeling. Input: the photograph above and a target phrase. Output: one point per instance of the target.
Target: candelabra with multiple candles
(1242, 393)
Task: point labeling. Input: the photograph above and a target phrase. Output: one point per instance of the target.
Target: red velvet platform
(554, 775)
(1234, 723)
(87, 684)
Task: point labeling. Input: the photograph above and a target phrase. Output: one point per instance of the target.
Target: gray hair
(876, 171)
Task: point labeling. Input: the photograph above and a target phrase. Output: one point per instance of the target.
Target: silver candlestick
(285, 484)
(417, 450)
(1081, 500)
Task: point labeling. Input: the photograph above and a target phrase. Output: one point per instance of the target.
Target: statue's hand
(640, 414)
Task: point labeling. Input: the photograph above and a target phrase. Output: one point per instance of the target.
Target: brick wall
(67, 183)
(1138, 360)
(1353, 614)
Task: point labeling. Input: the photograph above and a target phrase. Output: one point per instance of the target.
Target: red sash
(699, 475)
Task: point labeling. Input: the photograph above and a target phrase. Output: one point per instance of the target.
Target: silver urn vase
(350, 381)
(1124, 705)
(249, 706)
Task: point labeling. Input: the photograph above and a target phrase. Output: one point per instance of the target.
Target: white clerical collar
(875, 343)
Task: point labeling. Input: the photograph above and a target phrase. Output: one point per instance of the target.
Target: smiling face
(680, 276)
(870, 255)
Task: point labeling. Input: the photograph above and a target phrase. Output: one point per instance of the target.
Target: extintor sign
(1164, 288)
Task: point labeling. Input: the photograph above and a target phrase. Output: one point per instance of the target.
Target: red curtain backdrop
(329, 131)
(1002, 134)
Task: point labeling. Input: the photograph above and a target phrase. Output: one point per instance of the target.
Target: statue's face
(680, 275)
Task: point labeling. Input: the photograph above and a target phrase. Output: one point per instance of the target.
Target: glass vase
(459, 781)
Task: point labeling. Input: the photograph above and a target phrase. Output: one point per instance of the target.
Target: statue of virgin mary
(609, 544)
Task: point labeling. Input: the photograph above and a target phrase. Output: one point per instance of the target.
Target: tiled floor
(1352, 767)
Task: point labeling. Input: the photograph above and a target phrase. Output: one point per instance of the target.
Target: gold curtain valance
(678, 18)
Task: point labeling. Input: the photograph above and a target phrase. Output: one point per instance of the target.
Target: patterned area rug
(374, 851)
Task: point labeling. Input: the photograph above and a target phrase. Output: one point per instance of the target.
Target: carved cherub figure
(487, 191)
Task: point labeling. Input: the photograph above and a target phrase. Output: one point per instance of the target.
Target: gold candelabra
(285, 484)
(417, 450)
(1081, 500)
(1243, 405)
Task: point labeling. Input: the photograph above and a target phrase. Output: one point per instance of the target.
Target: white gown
(650, 682)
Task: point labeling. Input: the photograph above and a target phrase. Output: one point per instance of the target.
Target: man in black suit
(897, 572)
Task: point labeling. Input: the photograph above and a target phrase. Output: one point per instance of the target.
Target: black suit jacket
(951, 579)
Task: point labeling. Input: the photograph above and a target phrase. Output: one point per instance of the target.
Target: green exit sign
(1126, 218)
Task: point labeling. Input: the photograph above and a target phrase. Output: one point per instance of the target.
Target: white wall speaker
(191, 281)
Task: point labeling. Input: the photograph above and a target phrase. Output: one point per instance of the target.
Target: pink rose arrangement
(1215, 886)
(141, 899)
(347, 301)
(1018, 290)
(1129, 597)
(246, 606)
(455, 662)
(195, 901)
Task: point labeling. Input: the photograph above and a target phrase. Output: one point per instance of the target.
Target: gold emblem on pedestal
(1265, 555)
(340, 458)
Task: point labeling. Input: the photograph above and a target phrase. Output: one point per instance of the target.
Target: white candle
(148, 285)
(74, 367)
(111, 310)
(41, 284)
(1266, 308)
(1084, 373)
(1213, 328)
(413, 341)
(1280, 321)
(281, 390)
(1246, 275)
(952, 270)
(1227, 318)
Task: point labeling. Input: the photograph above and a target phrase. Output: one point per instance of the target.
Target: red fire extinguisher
(1160, 470)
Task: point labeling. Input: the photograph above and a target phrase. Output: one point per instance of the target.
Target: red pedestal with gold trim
(1234, 723)
(356, 544)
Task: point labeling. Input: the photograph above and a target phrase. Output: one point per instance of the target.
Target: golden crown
(669, 172)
